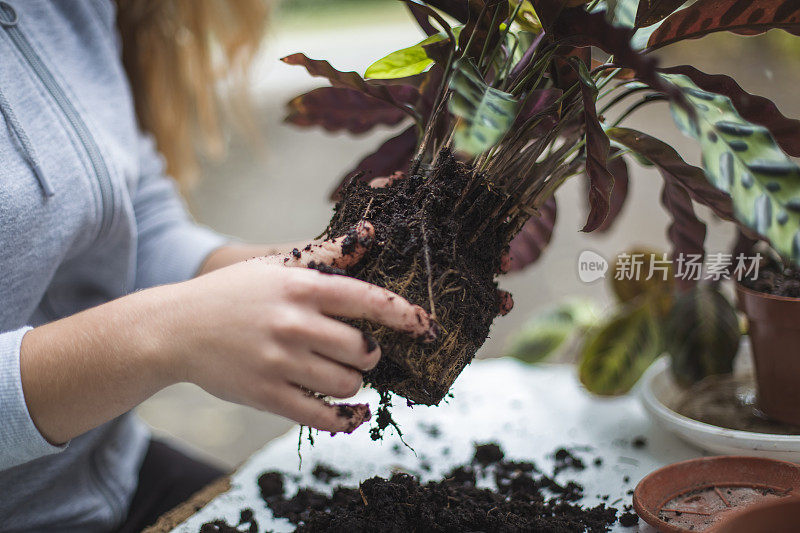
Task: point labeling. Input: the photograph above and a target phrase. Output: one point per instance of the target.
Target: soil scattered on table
(325, 473)
(566, 460)
(639, 442)
(525, 500)
(247, 524)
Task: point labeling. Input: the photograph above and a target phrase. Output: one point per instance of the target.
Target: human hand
(260, 333)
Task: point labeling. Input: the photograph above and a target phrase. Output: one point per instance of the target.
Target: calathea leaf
(652, 280)
(653, 11)
(673, 168)
(702, 334)
(543, 335)
(336, 109)
(601, 181)
(753, 108)
(408, 61)
(527, 247)
(577, 27)
(393, 155)
(422, 19)
(619, 169)
(404, 62)
(743, 160)
(486, 113)
(741, 16)
(617, 353)
(526, 18)
(686, 232)
(349, 80)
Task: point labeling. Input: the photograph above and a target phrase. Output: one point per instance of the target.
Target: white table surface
(529, 410)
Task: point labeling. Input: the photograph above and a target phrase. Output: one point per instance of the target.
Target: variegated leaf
(702, 334)
(616, 355)
(743, 160)
(486, 113)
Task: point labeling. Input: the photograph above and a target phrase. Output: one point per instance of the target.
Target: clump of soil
(566, 460)
(776, 279)
(325, 473)
(437, 244)
(247, 524)
(525, 500)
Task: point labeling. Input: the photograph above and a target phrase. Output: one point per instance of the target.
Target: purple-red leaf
(348, 80)
(337, 109)
(619, 169)
(651, 11)
(422, 19)
(686, 232)
(673, 167)
(393, 155)
(577, 27)
(530, 242)
(537, 102)
(753, 108)
(748, 17)
(601, 182)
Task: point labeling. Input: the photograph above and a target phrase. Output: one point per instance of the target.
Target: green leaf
(658, 289)
(408, 61)
(526, 18)
(486, 113)
(742, 159)
(616, 355)
(542, 336)
(702, 334)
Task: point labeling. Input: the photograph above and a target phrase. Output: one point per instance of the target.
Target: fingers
(292, 402)
(320, 374)
(505, 261)
(379, 183)
(343, 344)
(339, 253)
(352, 298)
(506, 302)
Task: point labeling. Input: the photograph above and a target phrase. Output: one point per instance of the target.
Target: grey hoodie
(86, 216)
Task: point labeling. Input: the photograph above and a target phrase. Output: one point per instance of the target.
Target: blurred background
(273, 185)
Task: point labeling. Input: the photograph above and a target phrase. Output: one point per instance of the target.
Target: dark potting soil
(433, 247)
(247, 524)
(776, 279)
(566, 460)
(325, 473)
(525, 500)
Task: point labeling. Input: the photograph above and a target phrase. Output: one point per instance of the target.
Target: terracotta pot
(777, 516)
(698, 494)
(775, 338)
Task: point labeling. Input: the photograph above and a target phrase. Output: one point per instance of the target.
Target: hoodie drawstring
(25, 146)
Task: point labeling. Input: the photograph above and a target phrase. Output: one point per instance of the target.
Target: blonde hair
(176, 54)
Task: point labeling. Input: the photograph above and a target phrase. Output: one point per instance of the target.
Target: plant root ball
(437, 246)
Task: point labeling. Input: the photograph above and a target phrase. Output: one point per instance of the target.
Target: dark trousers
(167, 478)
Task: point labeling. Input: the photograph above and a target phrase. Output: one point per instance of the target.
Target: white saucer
(659, 394)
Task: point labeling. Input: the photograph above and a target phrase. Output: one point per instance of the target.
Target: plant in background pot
(748, 178)
(502, 107)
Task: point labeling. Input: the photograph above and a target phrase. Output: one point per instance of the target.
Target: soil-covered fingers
(339, 253)
(352, 298)
(379, 183)
(505, 261)
(319, 374)
(506, 302)
(295, 403)
(344, 344)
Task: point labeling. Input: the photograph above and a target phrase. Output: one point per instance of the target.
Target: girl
(108, 291)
